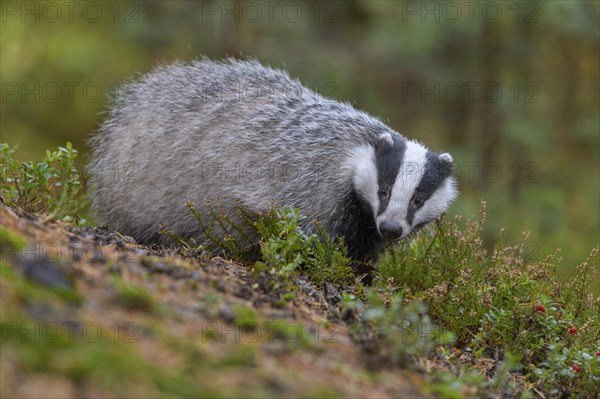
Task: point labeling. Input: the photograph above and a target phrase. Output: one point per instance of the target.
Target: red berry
(540, 308)
(572, 330)
(576, 368)
(598, 353)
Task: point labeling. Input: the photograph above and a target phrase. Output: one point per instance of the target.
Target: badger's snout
(390, 230)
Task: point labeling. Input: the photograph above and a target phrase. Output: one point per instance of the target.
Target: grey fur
(233, 131)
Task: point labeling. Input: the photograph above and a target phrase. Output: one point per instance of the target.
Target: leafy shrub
(52, 186)
(500, 302)
(286, 248)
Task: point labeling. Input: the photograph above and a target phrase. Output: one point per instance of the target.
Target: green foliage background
(59, 65)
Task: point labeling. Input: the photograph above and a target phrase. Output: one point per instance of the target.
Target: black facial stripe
(388, 158)
(434, 175)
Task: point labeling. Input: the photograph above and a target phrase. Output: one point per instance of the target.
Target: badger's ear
(445, 157)
(447, 163)
(384, 140)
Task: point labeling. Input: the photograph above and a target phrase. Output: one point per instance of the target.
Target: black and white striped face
(406, 185)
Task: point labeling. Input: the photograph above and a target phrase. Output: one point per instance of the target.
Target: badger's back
(228, 131)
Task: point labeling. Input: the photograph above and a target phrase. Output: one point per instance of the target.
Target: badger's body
(237, 132)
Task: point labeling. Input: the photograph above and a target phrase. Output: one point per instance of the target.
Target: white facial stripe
(407, 180)
(364, 172)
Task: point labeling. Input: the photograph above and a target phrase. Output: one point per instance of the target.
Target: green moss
(10, 241)
(102, 362)
(174, 267)
(242, 354)
(134, 297)
(292, 334)
(245, 317)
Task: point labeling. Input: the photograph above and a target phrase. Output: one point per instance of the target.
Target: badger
(247, 134)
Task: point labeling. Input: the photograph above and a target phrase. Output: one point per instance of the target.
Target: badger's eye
(417, 200)
(383, 192)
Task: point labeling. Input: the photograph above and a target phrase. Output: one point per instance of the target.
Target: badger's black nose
(390, 230)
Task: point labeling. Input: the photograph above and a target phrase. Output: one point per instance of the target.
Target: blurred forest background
(510, 88)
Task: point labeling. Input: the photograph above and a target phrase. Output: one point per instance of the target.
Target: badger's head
(405, 185)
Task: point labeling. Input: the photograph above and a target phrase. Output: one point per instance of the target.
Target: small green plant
(285, 248)
(286, 251)
(237, 242)
(52, 186)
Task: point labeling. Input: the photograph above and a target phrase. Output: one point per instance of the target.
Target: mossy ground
(116, 319)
